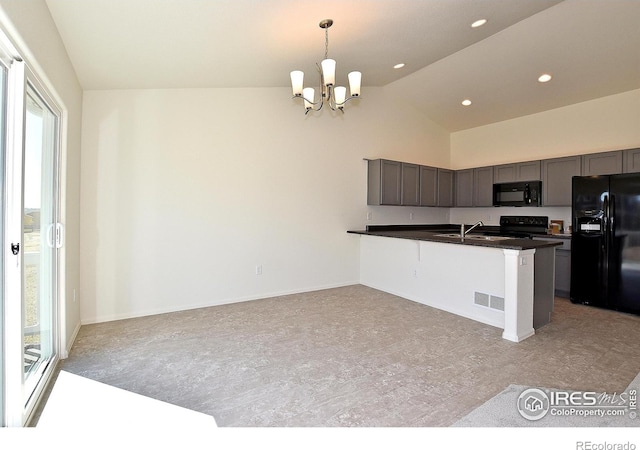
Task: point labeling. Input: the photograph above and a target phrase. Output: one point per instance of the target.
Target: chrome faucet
(464, 233)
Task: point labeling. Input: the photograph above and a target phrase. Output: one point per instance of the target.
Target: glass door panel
(39, 239)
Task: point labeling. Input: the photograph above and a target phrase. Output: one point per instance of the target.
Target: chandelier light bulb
(329, 71)
(355, 79)
(341, 95)
(297, 82)
(309, 95)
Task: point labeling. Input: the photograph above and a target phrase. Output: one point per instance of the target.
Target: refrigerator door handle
(605, 219)
(612, 217)
(606, 244)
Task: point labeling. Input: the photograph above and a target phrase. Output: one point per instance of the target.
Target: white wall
(185, 192)
(607, 123)
(36, 36)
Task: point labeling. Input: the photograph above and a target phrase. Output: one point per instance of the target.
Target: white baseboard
(143, 313)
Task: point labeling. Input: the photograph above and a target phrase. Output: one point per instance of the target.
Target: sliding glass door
(31, 239)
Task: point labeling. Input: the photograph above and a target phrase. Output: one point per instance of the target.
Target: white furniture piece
(83, 404)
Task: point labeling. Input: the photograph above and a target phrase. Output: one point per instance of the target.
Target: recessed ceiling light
(399, 66)
(544, 78)
(478, 23)
(466, 102)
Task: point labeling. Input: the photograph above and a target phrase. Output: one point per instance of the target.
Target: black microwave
(522, 193)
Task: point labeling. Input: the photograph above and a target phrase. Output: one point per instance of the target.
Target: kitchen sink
(478, 237)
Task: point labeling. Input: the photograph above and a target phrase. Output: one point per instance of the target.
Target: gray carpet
(351, 356)
(501, 411)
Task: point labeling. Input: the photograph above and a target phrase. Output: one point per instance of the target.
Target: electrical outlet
(74, 296)
(259, 269)
(410, 216)
(369, 215)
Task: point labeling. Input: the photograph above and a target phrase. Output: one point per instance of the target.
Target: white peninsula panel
(485, 284)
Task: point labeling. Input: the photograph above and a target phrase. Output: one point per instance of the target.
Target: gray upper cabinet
(556, 180)
(410, 195)
(631, 160)
(384, 182)
(428, 186)
(504, 173)
(445, 187)
(483, 186)
(607, 163)
(464, 187)
(525, 171)
(528, 171)
(398, 183)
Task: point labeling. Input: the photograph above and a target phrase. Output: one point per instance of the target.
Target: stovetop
(523, 226)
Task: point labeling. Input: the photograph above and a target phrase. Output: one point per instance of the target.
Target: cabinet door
(410, 194)
(384, 187)
(390, 186)
(556, 180)
(524, 171)
(445, 187)
(483, 186)
(464, 187)
(563, 273)
(505, 173)
(631, 160)
(428, 186)
(528, 171)
(607, 163)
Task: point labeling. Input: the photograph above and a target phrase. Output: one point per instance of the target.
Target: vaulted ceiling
(590, 47)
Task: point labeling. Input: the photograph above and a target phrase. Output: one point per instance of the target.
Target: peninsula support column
(518, 294)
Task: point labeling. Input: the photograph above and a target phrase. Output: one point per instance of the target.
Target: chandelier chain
(326, 43)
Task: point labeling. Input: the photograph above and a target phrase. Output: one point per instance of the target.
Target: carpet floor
(351, 356)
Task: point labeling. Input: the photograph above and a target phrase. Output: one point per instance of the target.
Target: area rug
(563, 408)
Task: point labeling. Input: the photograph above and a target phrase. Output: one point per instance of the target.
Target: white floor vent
(489, 301)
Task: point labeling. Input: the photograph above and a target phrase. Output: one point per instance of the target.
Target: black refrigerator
(605, 243)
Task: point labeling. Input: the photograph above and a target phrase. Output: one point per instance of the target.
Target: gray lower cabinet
(428, 186)
(410, 195)
(606, 163)
(445, 187)
(631, 160)
(556, 180)
(464, 188)
(525, 171)
(563, 272)
(483, 186)
(562, 266)
(384, 182)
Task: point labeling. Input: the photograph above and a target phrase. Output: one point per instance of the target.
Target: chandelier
(334, 96)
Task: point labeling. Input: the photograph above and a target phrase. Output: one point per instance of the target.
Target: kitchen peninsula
(504, 282)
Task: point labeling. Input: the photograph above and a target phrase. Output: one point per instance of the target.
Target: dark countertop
(430, 232)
